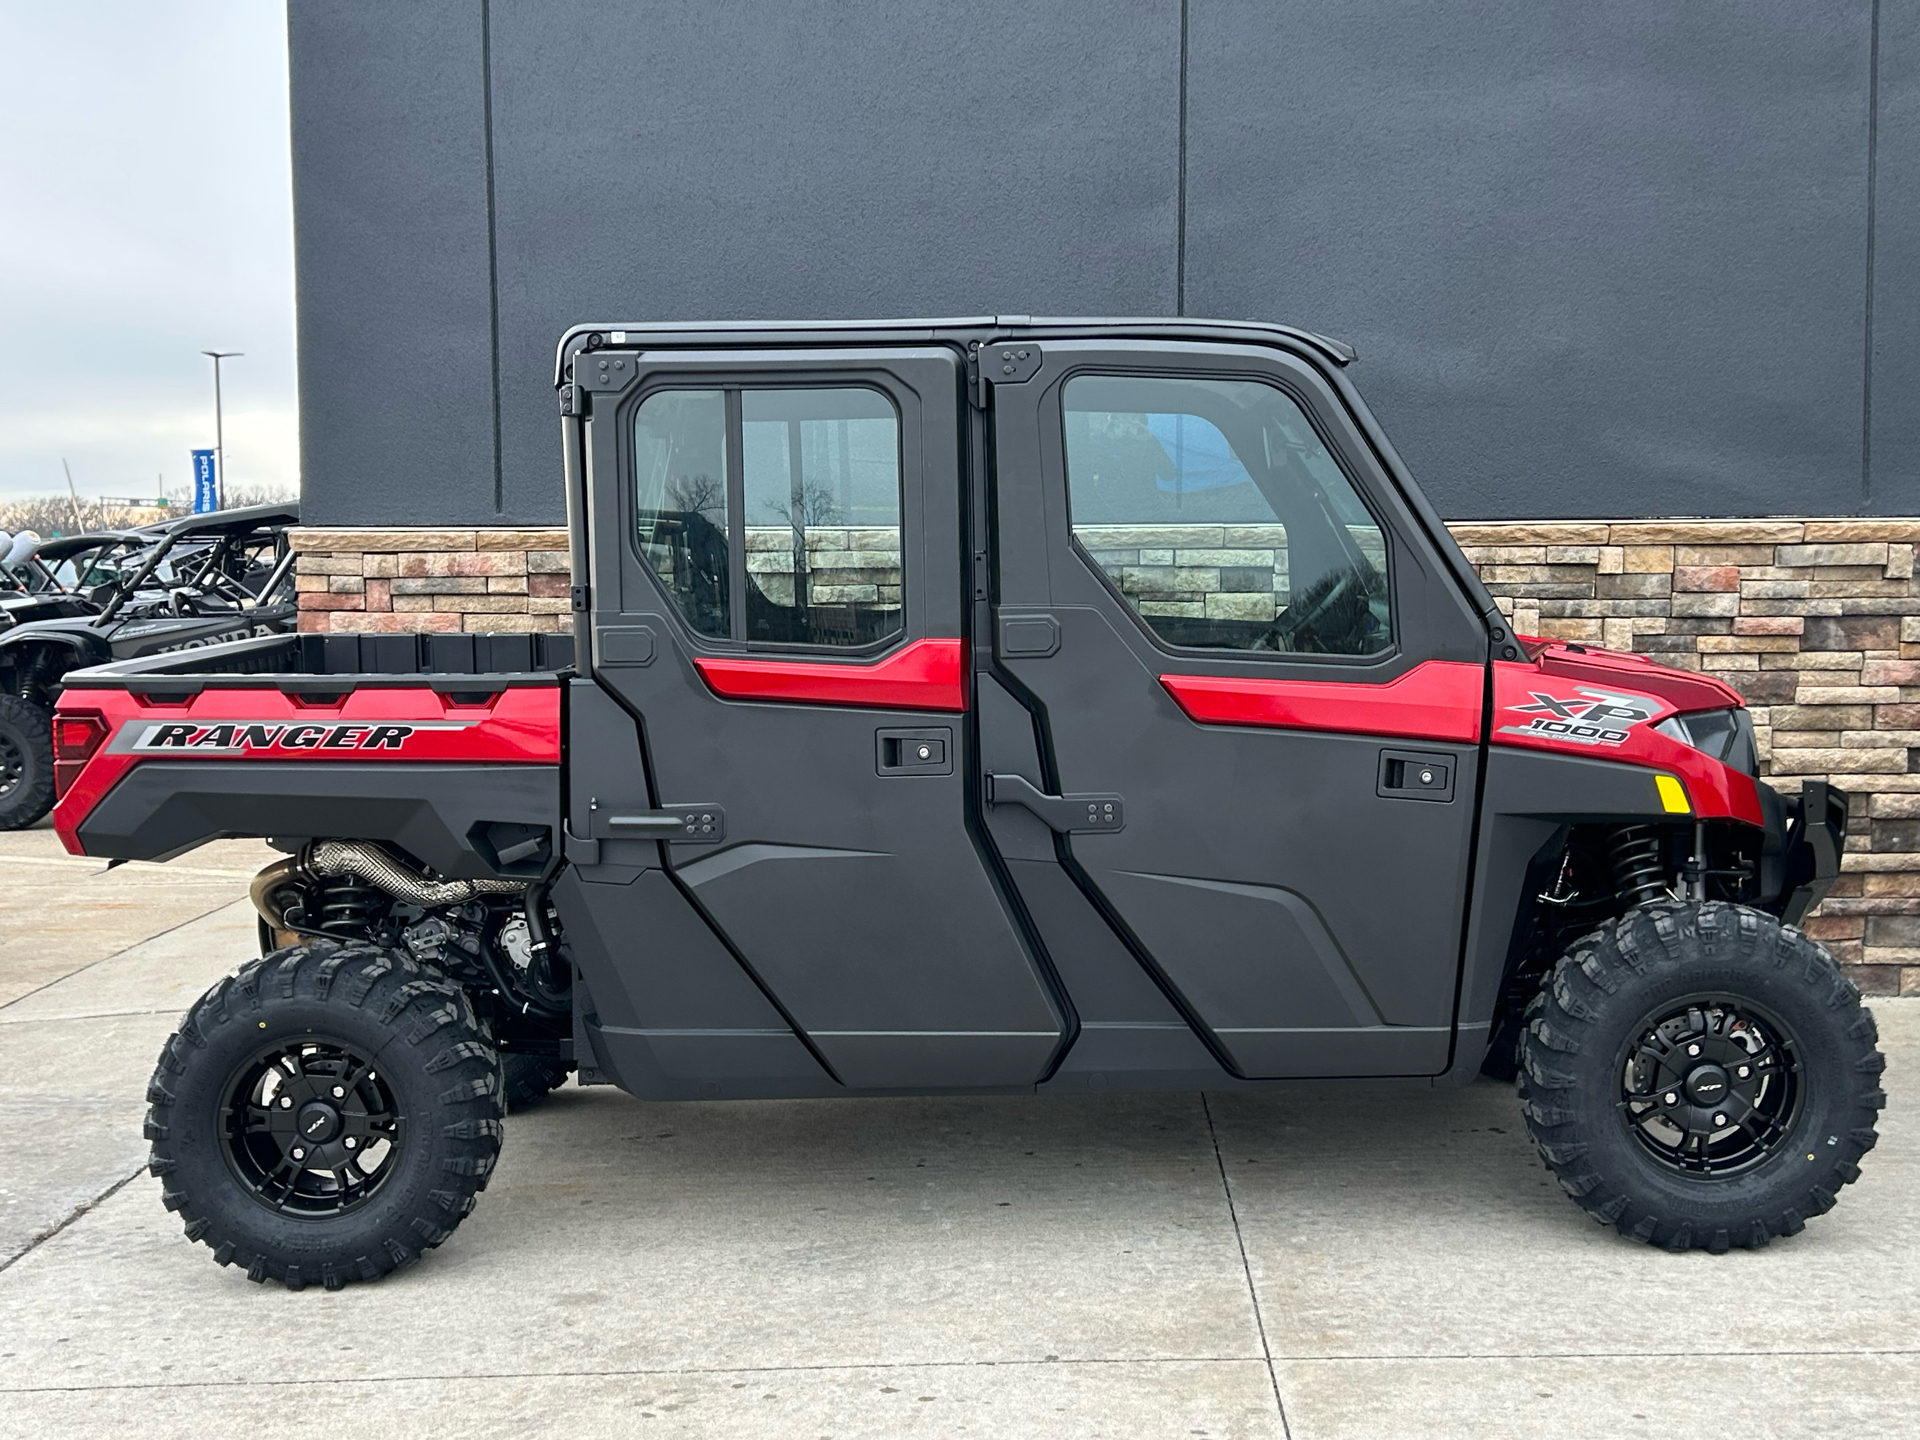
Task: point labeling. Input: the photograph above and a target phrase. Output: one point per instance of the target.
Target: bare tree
(697, 494)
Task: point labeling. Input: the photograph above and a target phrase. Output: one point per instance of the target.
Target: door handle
(1415, 775)
(1067, 814)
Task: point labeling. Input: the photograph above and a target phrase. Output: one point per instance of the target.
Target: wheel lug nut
(1671, 1098)
(1693, 1049)
(1745, 1070)
(298, 1153)
(286, 1102)
(338, 1092)
(352, 1143)
(1719, 1119)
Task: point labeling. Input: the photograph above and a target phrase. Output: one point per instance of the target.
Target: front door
(777, 604)
(1259, 695)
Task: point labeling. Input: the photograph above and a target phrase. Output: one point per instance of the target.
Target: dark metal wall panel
(1599, 260)
(797, 159)
(390, 248)
(1895, 452)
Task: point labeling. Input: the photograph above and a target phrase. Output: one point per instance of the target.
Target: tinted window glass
(822, 489)
(1221, 518)
(680, 477)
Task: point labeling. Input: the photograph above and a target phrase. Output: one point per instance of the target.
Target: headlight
(1726, 735)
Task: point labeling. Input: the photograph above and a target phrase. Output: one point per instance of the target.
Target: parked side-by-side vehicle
(113, 595)
(982, 706)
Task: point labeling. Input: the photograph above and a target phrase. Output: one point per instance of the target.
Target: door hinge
(1068, 814)
(604, 372)
(569, 400)
(692, 824)
(577, 597)
(1000, 362)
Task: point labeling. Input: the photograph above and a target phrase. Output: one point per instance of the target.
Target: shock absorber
(349, 907)
(1639, 874)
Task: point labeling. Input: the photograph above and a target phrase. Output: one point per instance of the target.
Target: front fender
(1529, 796)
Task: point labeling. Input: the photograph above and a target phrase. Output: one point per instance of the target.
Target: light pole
(219, 437)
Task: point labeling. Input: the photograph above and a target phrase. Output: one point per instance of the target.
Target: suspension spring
(1639, 874)
(349, 909)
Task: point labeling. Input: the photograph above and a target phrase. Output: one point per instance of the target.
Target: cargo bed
(447, 741)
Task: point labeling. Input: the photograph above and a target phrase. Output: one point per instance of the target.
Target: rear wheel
(1701, 1076)
(26, 762)
(326, 1115)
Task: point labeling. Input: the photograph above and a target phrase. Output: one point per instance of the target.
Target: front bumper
(1806, 835)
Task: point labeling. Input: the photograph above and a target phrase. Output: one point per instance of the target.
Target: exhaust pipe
(374, 864)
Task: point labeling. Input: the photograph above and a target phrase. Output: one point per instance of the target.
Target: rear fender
(454, 819)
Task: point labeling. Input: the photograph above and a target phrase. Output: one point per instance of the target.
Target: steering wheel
(1290, 628)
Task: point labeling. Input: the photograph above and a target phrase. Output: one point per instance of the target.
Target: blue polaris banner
(206, 487)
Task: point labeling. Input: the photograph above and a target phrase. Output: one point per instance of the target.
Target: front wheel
(326, 1115)
(1701, 1076)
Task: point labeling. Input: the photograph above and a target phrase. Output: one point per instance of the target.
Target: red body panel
(1596, 703)
(518, 725)
(1437, 700)
(926, 675)
(1684, 691)
(1604, 705)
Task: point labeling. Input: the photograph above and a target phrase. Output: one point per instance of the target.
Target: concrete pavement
(1314, 1264)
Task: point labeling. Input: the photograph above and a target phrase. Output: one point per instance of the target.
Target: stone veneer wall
(475, 580)
(1815, 622)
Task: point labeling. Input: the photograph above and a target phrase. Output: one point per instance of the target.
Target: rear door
(777, 604)
(1259, 697)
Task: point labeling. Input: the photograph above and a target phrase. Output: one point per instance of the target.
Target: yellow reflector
(1673, 795)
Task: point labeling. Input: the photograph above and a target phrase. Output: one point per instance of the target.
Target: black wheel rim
(13, 764)
(1710, 1086)
(310, 1128)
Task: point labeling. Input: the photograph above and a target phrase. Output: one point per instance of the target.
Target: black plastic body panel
(164, 808)
(675, 1017)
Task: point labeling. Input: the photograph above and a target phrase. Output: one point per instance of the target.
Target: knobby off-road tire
(530, 1079)
(26, 762)
(283, 1079)
(1623, 1050)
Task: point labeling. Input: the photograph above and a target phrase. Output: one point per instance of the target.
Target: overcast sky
(146, 214)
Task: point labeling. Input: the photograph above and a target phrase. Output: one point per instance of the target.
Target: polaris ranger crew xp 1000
(982, 706)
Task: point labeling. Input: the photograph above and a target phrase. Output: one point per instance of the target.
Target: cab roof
(962, 329)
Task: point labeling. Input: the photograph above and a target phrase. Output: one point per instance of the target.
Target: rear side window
(821, 479)
(1223, 521)
(772, 515)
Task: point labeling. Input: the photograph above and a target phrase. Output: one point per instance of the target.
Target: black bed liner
(328, 663)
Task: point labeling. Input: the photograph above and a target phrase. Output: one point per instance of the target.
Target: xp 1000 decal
(1590, 717)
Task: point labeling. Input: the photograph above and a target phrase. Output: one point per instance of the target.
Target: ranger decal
(1594, 717)
(254, 736)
